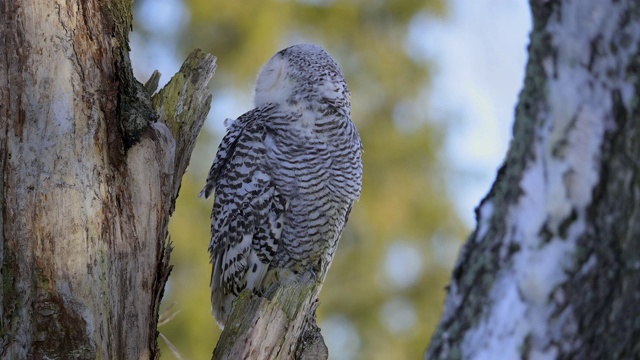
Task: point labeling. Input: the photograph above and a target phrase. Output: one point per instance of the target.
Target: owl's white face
(302, 76)
(273, 84)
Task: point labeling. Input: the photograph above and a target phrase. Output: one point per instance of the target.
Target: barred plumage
(285, 177)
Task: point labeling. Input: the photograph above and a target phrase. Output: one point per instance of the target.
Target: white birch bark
(553, 268)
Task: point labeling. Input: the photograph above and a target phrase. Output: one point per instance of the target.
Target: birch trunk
(88, 181)
(552, 270)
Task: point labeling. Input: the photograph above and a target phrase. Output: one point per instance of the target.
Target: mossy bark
(88, 181)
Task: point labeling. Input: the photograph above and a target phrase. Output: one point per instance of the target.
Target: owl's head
(302, 73)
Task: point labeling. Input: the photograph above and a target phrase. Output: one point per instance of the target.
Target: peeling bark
(552, 269)
(88, 181)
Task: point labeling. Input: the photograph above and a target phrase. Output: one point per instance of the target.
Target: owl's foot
(277, 277)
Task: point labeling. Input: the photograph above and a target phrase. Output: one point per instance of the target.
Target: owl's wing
(225, 151)
(248, 212)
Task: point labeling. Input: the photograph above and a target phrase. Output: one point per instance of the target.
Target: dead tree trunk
(552, 270)
(90, 167)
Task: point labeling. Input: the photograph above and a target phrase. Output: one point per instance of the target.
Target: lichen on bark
(569, 170)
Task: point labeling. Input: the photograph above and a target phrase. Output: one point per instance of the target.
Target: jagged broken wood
(183, 104)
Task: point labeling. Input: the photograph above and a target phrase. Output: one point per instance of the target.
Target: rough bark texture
(552, 270)
(281, 325)
(88, 181)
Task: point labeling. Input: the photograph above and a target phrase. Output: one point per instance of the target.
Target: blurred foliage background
(385, 290)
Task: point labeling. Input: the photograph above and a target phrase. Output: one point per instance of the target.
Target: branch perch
(281, 325)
